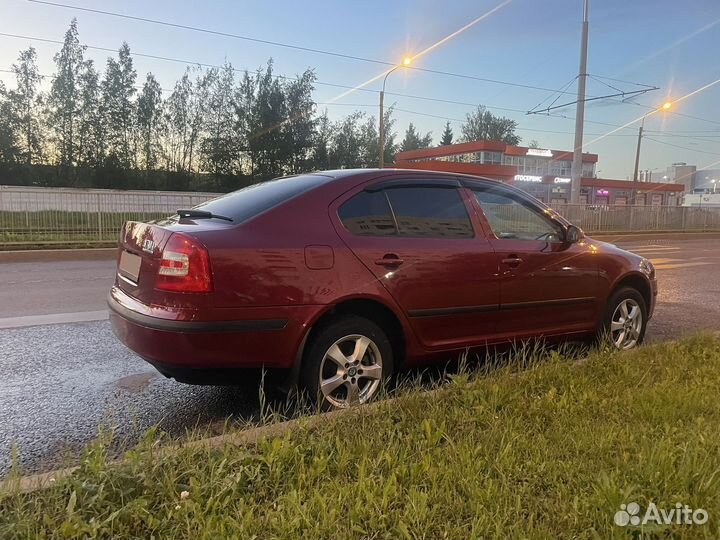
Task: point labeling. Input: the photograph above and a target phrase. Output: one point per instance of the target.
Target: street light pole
(406, 62)
(637, 163)
(576, 169)
(382, 126)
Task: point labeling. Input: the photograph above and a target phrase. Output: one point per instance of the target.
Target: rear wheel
(347, 362)
(625, 319)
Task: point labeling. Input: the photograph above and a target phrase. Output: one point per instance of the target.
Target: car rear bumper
(175, 341)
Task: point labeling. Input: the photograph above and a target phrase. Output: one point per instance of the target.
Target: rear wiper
(200, 214)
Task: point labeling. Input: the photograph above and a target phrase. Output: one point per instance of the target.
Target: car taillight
(184, 266)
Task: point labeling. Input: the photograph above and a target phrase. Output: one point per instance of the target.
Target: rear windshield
(253, 200)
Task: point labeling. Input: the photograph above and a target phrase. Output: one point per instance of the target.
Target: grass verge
(547, 451)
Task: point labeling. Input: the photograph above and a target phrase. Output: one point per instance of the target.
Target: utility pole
(382, 128)
(406, 62)
(637, 163)
(576, 170)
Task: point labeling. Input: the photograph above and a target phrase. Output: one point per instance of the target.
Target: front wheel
(625, 319)
(347, 362)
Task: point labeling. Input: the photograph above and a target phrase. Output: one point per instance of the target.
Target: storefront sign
(603, 192)
(539, 152)
(527, 178)
(561, 180)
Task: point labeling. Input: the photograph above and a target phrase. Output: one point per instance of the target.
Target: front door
(547, 286)
(418, 240)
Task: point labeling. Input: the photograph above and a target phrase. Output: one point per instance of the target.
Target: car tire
(334, 375)
(621, 327)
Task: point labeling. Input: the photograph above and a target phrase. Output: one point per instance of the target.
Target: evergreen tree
(447, 136)
(414, 141)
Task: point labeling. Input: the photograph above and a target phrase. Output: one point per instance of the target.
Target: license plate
(130, 265)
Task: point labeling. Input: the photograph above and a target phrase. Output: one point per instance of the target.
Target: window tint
(511, 219)
(252, 200)
(430, 212)
(368, 214)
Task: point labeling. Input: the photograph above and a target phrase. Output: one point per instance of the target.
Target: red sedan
(343, 277)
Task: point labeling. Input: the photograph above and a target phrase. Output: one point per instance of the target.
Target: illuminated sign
(527, 178)
(561, 180)
(539, 152)
(602, 192)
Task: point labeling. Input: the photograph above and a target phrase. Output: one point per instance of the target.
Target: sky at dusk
(672, 45)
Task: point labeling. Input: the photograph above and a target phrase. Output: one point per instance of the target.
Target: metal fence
(86, 216)
(31, 215)
(641, 218)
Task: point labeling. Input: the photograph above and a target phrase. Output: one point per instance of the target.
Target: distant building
(707, 180)
(702, 200)
(682, 173)
(541, 172)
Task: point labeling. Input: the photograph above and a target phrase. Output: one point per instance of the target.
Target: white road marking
(671, 266)
(54, 318)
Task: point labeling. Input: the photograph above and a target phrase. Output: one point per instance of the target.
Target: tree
(390, 134)
(175, 124)
(220, 146)
(266, 138)
(63, 98)
(447, 136)
(299, 126)
(482, 125)
(346, 147)
(149, 111)
(25, 104)
(91, 126)
(118, 89)
(9, 149)
(533, 144)
(320, 155)
(413, 140)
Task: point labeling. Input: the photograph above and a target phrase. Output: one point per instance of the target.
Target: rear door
(547, 286)
(416, 237)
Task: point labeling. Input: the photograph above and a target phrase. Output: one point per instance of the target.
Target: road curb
(48, 255)
(246, 437)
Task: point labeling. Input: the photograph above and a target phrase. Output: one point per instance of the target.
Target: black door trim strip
(548, 303)
(440, 312)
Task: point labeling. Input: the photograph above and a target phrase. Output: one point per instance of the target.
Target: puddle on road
(137, 382)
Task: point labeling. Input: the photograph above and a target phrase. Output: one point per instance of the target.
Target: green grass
(547, 450)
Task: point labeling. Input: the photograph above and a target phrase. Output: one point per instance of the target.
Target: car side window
(368, 214)
(430, 212)
(510, 218)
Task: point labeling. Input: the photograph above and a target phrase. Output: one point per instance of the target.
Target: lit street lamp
(406, 62)
(664, 107)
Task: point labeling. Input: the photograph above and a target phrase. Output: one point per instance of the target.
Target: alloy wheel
(351, 371)
(626, 324)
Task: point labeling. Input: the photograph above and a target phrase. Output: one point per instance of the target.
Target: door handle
(512, 261)
(389, 260)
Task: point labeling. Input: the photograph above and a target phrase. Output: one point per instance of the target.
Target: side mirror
(573, 234)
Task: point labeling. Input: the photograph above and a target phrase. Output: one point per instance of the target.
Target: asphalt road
(64, 374)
